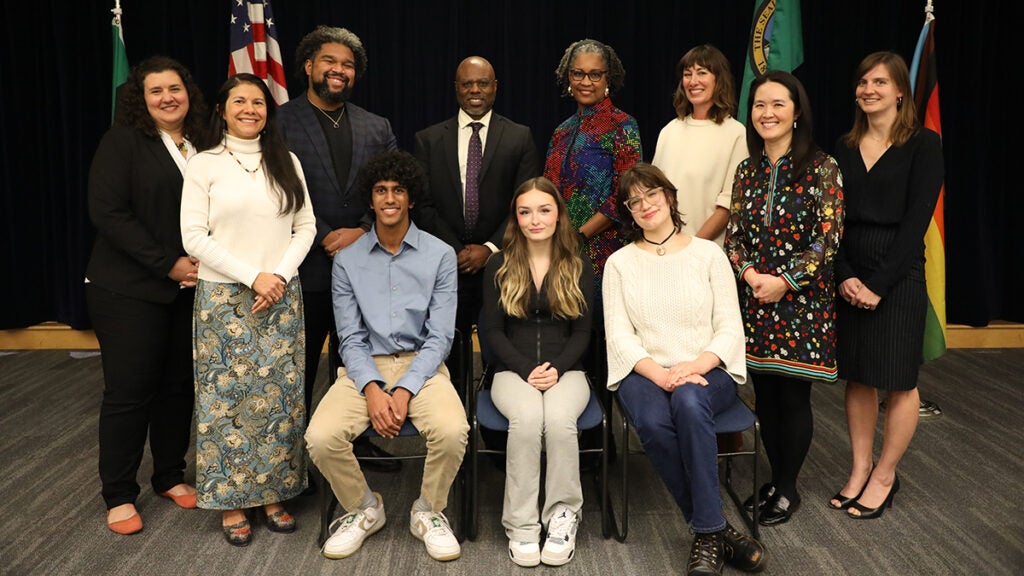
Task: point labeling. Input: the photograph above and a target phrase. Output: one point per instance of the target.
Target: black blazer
(510, 158)
(135, 205)
(334, 205)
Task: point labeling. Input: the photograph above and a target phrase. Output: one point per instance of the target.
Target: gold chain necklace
(253, 171)
(331, 118)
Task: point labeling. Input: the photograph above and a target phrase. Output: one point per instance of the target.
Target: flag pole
(928, 409)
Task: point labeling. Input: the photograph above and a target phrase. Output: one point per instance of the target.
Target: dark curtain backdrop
(55, 102)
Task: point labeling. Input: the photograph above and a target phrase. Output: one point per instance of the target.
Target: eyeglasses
(594, 75)
(653, 197)
(481, 84)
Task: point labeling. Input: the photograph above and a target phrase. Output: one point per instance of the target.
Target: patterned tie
(473, 163)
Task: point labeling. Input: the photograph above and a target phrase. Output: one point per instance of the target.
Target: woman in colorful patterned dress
(893, 170)
(590, 149)
(784, 230)
(246, 215)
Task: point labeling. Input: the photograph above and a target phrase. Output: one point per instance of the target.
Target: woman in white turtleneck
(246, 215)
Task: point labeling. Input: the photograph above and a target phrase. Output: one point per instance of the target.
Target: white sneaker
(560, 545)
(349, 531)
(433, 529)
(524, 553)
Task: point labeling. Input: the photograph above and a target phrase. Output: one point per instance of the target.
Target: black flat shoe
(742, 551)
(865, 513)
(363, 448)
(766, 492)
(778, 510)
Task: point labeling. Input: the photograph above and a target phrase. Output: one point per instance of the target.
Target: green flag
(120, 58)
(776, 43)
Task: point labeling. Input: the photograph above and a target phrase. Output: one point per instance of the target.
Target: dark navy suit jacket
(335, 205)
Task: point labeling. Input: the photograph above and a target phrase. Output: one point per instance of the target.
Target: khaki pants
(341, 416)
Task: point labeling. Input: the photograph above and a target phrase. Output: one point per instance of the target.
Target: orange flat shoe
(184, 500)
(130, 525)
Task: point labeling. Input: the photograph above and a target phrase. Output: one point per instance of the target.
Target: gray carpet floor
(959, 510)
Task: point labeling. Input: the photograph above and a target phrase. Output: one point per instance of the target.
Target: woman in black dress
(892, 172)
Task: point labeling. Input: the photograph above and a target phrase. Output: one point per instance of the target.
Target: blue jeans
(677, 432)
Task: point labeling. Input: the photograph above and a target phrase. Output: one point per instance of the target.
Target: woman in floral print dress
(784, 230)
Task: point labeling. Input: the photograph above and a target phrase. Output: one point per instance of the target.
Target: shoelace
(340, 524)
(437, 522)
(561, 525)
(705, 548)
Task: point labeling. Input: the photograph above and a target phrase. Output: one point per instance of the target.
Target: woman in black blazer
(140, 285)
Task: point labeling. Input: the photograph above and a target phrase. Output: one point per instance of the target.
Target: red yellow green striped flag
(925, 84)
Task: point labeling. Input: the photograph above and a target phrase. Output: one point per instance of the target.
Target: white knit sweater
(231, 221)
(671, 308)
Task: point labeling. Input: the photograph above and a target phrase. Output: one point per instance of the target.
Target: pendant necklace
(660, 250)
(337, 122)
(253, 171)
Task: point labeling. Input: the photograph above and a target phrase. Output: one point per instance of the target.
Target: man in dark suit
(509, 157)
(332, 138)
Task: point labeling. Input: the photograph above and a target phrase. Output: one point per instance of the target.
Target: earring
(899, 102)
(606, 91)
(569, 90)
(794, 124)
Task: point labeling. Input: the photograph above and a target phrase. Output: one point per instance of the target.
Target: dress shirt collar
(412, 238)
(465, 119)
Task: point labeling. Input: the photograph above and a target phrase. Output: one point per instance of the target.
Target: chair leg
(621, 529)
(328, 505)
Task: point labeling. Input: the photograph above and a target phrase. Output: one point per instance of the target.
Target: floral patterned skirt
(250, 413)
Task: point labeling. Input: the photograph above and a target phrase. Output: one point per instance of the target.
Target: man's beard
(324, 92)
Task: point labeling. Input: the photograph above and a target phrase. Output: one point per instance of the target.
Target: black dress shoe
(778, 510)
(363, 448)
(707, 555)
(742, 551)
(766, 492)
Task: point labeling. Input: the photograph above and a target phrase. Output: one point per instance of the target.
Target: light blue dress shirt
(388, 303)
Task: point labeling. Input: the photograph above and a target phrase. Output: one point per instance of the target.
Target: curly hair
(131, 101)
(395, 165)
(649, 176)
(311, 44)
(723, 100)
(514, 280)
(616, 73)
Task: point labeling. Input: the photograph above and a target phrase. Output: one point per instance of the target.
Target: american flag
(254, 46)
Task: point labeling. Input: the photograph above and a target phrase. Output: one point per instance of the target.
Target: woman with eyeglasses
(590, 149)
(783, 234)
(675, 355)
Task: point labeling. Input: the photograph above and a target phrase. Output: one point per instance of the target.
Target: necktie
(473, 161)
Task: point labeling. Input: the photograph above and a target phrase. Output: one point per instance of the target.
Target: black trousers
(783, 405)
(319, 308)
(146, 351)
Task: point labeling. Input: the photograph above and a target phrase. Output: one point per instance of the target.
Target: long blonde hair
(513, 279)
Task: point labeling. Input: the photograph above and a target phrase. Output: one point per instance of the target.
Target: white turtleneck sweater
(671, 308)
(231, 221)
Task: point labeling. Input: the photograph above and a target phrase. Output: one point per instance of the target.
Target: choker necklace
(329, 117)
(661, 248)
(253, 171)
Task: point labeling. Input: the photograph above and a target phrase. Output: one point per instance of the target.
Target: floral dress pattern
(250, 412)
(788, 225)
(586, 155)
